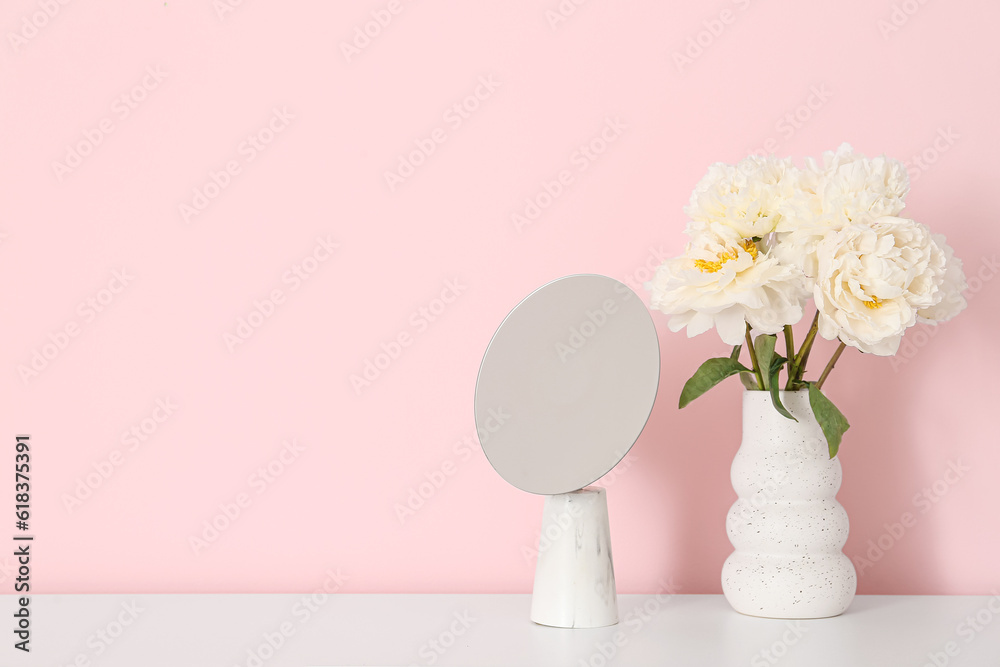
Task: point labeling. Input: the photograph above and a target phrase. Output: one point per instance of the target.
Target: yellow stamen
(732, 253)
(874, 303)
(708, 266)
(750, 247)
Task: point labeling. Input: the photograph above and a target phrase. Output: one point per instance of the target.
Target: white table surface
(352, 629)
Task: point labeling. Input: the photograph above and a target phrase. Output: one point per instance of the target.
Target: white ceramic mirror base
(575, 575)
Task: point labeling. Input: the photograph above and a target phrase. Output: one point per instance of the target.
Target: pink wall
(341, 123)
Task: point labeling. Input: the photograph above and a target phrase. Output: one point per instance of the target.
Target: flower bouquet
(765, 236)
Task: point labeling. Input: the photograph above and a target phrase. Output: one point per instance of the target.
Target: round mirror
(567, 384)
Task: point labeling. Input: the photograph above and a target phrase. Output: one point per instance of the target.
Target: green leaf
(709, 374)
(777, 361)
(830, 419)
(764, 347)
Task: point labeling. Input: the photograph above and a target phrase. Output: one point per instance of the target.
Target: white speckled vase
(575, 575)
(787, 526)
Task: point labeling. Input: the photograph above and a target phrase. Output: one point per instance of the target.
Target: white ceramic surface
(575, 576)
(786, 526)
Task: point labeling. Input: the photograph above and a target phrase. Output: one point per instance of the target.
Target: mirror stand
(574, 575)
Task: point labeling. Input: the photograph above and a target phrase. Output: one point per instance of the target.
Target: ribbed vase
(786, 526)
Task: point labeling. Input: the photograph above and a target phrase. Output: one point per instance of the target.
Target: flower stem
(803, 356)
(753, 359)
(790, 351)
(830, 365)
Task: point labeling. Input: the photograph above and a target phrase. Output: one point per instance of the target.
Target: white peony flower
(952, 302)
(830, 195)
(873, 277)
(746, 197)
(852, 185)
(724, 280)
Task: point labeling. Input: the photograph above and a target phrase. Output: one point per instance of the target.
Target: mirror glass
(567, 384)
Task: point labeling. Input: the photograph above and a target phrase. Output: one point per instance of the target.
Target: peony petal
(699, 324)
(731, 325)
